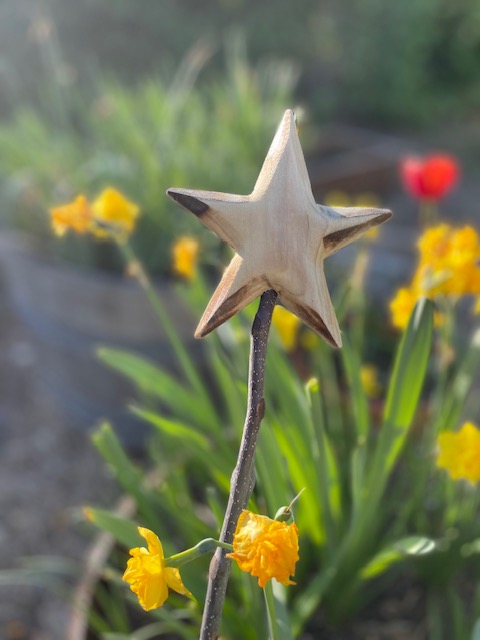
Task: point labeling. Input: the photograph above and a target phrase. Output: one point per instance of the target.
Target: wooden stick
(243, 477)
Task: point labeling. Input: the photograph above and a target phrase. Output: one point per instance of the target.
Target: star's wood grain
(280, 236)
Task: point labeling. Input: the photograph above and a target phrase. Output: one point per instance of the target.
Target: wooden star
(280, 236)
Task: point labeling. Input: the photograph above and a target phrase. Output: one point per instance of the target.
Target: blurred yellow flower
(449, 265)
(402, 306)
(309, 340)
(148, 576)
(185, 256)
(372, 235)
(337, 199)
(433, 244)
(367, 199)
(369, 379)
(459, 453)
(76, 215)
(287, 324)
(265, 548)
(114, 210)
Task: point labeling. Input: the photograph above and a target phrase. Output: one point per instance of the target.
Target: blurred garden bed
(83, 108)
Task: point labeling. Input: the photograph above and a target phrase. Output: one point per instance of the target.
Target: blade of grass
(122, 529)
(129, 477)
(405, 387)
(161, 384)
(352, 366)
(461, 385)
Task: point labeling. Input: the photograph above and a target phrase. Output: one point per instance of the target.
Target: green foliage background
(392, 63)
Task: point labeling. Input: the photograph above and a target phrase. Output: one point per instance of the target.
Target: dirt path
(47, 471)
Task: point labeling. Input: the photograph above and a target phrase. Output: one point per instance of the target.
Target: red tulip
(431, 177)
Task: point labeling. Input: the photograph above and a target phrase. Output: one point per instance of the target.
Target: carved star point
(280, 236)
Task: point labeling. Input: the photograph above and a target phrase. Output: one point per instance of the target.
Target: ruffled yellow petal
(265, 548)
(75, 215)
(145, 574)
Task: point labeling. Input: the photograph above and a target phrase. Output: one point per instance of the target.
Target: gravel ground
(47, 471)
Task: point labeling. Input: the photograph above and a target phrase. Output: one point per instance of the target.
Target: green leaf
(476, 630)
(406, 381)
(177, 396)
(352, 365)
(197, 445)
(410, 366)
(461, 385)
(191, 438)
(123, 530)
(411, 546)
(130, 478)
(358, 488)
(273, 482)
(327, 488)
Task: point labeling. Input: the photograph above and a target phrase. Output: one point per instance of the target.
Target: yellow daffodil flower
(110, 215)
(185, 256)
(265, 548)
(112, 208)
(449, 266)
(287, 324)
(148, 576)
(75, 215)
(459, 453)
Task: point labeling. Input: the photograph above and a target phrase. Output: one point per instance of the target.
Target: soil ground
(47, 472)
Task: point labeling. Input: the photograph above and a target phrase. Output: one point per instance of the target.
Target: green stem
(445, 347)
(208, 545)
(428, 213)
(172, 335)
(434, 616)
(271, 611)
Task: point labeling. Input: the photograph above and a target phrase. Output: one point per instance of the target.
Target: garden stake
(281, 237)
(243, 477)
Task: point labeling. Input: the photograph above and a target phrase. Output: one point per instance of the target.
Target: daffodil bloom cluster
(449, 266)
(459, 453)
(148, 576)
(265, 548)
(110, 215)
(185, 257)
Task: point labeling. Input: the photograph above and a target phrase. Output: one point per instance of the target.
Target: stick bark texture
(243, 477)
